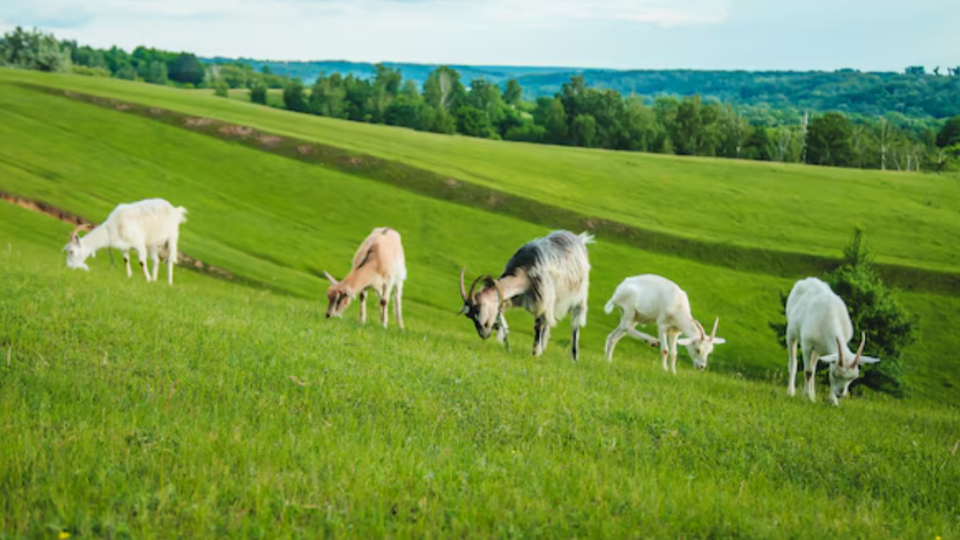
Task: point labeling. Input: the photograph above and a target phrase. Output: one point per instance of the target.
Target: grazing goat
(144, 226)
(654, 299)
(549, 277)
(379, 265)
(818, 321)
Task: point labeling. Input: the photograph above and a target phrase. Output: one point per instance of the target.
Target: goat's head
(701, 346)
(483, 307)
(844, 371)
(76, 251)
(339, 297)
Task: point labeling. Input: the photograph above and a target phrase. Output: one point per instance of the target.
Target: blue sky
(690, 34)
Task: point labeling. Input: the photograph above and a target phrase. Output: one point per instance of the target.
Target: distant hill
(309, 71)
(918, 96)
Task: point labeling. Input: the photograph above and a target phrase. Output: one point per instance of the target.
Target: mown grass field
(910, 217)
(136, 410)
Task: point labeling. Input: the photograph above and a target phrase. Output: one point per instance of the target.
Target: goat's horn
(463, 290)
(331, 279)
(473, 286)
(716, 323)
(703, 335)
(839, 352)
(80, 227)
(863, 341)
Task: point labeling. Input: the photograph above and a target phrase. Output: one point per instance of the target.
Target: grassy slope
(908, 216)
(207, 409)
(282, 222)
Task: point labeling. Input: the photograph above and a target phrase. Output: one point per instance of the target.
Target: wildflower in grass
(64, 535)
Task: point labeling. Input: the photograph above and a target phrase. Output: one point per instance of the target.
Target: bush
(258, 94)
(875, 310)
(221, 88)
(90, 71)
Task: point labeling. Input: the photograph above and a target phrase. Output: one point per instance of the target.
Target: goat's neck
(359, 279)
(511, 286)
(96, 240)
(688, 327)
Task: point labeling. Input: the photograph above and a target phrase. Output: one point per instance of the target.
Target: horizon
(696, 35)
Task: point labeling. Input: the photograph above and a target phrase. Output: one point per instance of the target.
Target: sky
(870, 35)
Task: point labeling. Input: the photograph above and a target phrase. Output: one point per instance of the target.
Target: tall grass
(134, 410)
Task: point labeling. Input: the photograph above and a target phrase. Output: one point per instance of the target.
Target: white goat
(144, 226)
(379, 265)
(549, 277)
(818, 320)
(654, 299)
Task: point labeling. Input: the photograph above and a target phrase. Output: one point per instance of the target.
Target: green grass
(908, 216)
(281, 222)
(212, 409)
(134, 410)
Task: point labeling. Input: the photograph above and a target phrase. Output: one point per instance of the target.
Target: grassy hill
(908, 217)
(218, 409)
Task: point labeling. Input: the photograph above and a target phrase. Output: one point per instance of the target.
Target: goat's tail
(586, 238)
(608, 309)
(183, 214)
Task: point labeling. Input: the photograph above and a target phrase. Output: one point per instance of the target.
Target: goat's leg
(664, 348)
(142, 256)
(792, 366)
(654, 342)
(503, 332)
(672, 337)
(612, 340)
(363, 306)
(397, 309)
(171, 259)
(544, 337)
(384, 303)
(126, 259)
(810, 360)
(538, 327)
(155, 257)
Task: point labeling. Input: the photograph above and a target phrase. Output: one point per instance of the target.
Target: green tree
(34, 50)
(875, 310)
(293, 96)
(156, 73)
(583, 131)
(473, 122)
(221, 89)
(258, 94)
(555, 121)
(513, 93)
(186, 68)
(126, 71)
(829, 140)
(949, 134)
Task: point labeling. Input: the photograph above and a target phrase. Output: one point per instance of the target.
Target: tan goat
(379, 265)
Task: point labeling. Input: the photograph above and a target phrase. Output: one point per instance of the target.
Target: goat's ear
(331, 279)
(719, 341)
(829, 359)
(868, 360)
(686, 341)
(464, 310)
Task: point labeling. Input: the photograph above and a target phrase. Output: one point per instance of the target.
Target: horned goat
(819, 322)
(379, 265)
(654, 299)
(143, 226)
(549, 277)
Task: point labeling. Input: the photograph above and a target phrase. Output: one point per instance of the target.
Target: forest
(912, 125)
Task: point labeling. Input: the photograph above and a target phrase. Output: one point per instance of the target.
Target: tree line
(576, 115)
